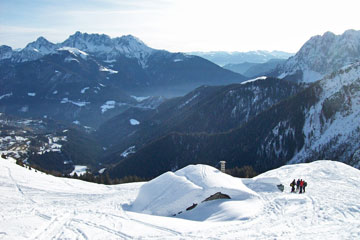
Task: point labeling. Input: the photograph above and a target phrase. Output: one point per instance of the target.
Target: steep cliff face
(331, 129)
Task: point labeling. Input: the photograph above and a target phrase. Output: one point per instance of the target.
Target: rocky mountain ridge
(321, 55)
(97, 44)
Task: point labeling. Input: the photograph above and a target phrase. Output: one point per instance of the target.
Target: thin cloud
(107, 12)
(180, 25)
(17, 29)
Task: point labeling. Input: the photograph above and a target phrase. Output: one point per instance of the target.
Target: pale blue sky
(180, 25)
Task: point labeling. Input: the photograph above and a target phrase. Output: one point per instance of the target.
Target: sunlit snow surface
(107, 106)
(254, 80)
(79, 170)
(39, 206)
(74, 51)
(134, 122)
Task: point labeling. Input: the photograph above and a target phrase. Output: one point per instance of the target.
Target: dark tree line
(88, 176)
(105, 178)
(243, 172)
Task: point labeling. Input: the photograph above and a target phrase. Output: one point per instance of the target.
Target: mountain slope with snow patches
(40, 206)
(208, 109)
(331, 126)
(319, 122)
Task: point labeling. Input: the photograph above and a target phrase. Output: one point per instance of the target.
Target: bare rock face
(191, 207)
(217, 195)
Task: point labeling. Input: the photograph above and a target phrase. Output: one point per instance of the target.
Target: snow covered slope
(39, 206)
(322, 55)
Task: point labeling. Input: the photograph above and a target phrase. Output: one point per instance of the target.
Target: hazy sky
(181, 25)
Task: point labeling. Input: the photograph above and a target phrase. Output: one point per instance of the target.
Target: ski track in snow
(40, 206)
(18, 187)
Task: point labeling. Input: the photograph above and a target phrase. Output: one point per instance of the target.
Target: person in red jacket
(301, 185)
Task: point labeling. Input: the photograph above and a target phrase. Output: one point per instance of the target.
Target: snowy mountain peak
(328, 34)
(132, 43)
(41, 45)
(321, 55)
(89, 42)
(129, 38)
(101, 45)
(5, 52)
(33, 50)
(42, 40)
(109, 48)
(133, 47)
(351, 32)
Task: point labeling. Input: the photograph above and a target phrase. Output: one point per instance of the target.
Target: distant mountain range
(102, 92)
(89, 78)
(100, 45)
(224, 58)
(127, 60)
(253, 70)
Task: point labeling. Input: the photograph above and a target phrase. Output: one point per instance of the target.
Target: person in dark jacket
(304, 186)
(292, 185)
(297, 185)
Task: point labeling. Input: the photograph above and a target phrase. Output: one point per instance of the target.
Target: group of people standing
(300, 184)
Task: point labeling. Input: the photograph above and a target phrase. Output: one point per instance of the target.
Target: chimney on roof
(222, 166)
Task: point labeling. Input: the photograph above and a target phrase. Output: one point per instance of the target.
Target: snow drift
(172, 193)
